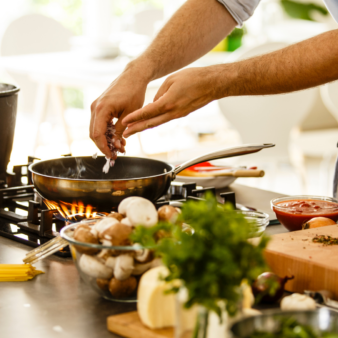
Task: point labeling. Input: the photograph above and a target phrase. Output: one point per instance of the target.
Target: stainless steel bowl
(322, 320)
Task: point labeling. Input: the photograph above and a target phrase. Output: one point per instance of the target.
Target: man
(194, 30)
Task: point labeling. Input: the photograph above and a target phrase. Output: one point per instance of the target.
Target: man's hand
(179, 95)
(193, 30)
(123, 96)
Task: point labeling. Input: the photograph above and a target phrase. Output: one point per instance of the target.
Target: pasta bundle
(17, 272)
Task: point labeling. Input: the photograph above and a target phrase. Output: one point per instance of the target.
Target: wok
(74, 179)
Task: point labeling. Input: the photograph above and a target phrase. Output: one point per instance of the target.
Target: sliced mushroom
(123, 267)
(117, 234)
(123, 206)
(91, 266)
(86, 236)
(139, 269)
(122, 289)
(168, 213)
(116, 215)
(142, 212)
(103, 284)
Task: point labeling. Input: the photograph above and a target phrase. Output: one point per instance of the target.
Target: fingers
(147, 112)
(163, 89)
(92, 119)
(101, 119)
(97, 130)
(118, 141)
(151, 123)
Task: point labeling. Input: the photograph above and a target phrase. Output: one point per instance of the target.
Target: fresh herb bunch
(214, 260)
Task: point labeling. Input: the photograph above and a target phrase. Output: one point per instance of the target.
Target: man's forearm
(192, 31)
(306, 64)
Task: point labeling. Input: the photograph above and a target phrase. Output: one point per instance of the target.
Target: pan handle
(227, 152)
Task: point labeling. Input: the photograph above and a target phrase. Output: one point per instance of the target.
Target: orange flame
(80, 208)
(67, 210)
(88, 211)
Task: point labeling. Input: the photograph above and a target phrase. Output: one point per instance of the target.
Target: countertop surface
(59, 304)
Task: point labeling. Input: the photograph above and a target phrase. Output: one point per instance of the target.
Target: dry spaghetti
(17, 272)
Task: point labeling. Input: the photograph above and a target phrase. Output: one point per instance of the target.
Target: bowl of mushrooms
(104, 254)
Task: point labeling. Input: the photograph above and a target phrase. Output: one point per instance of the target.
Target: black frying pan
(75, 179)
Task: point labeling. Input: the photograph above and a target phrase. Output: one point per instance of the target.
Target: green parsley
(213, 261)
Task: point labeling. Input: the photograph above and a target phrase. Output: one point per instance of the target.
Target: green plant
(213, 261)
(299, 10)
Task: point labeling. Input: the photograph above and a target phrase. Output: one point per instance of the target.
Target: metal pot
(74, 179)
(8, 108)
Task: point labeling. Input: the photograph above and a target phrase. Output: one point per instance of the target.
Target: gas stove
(26, 218)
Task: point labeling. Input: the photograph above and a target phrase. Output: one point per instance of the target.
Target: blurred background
(64, 53)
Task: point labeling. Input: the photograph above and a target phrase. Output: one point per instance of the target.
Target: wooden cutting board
(314, 265)
(129, 325)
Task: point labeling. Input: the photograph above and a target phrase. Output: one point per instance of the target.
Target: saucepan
(73, 179)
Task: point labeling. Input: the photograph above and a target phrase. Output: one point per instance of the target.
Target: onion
(264, 285)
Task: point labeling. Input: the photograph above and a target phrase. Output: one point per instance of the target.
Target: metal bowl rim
(30, 168)
(279, 312)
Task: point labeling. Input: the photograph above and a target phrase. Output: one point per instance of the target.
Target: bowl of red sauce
(294, 211)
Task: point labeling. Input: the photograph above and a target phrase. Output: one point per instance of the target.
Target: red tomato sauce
(296, 212)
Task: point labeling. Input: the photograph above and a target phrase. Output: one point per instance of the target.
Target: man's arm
(306, 64)
(193, 30)
(197, 27)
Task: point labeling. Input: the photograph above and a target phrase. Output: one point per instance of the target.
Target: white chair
(262, 119)
(322, 143)
(31, 34)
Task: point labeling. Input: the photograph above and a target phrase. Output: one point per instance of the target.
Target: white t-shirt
(241, 10)
(332, 6)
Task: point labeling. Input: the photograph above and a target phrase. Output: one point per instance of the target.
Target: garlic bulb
(297, 302)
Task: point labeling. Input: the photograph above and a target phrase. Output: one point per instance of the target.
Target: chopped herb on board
(326, 240)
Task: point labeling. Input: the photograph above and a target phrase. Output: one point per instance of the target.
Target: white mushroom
(91, 266)
(126, 221)
(123, 206)
(123, 267)
(142, 212)
(104, 224)
(111, 262)
(139, 269)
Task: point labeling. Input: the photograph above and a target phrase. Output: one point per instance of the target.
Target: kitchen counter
(59, 304)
